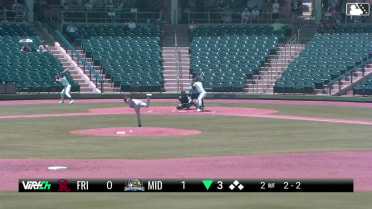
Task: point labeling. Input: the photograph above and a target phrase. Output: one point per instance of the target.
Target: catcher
(185, 101)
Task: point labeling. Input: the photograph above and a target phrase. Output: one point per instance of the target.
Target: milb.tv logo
(357, 9)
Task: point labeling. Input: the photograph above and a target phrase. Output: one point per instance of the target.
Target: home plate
(121, 132)
(54, 168)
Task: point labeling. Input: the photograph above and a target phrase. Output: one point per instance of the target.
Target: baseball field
(230, 139)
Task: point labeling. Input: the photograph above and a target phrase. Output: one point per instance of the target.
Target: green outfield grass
(357, 113)
(221, 135)
(354, 113)
(356, 200)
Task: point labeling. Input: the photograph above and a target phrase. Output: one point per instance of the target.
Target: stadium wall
(175, 96)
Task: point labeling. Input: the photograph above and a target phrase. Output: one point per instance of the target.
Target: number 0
(109, 185)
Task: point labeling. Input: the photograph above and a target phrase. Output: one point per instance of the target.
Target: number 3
(220, 185)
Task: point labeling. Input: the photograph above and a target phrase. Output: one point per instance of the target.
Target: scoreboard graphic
(357, 9)
(185, 185)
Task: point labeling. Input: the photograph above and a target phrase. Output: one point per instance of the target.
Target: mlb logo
(357, 9)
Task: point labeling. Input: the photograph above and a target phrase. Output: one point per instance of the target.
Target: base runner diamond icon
(236, 184)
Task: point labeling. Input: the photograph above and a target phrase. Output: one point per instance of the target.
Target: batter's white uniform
(202, 93)
(66, 89)
(137, 104)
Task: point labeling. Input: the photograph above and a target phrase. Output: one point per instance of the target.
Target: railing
(179, 70)
(288, 46)
(107, 17)
(100, 14)
(86, 65)
(73, 52)
(214, 16)
(177, 55)
(341, 17)
(349, 72)
(177, 61)
(262, 78)
(13, 15)
(291, 43)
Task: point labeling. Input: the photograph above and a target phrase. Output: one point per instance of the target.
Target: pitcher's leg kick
(137, 104)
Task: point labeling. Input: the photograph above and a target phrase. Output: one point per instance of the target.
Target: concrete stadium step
(174, 89)
(66, 64)
(258, 85)
(170, 56)
(174, 85)
(172, 82)
(169, 69)
(173, 63)
(174, 77)
(273, 69)
(173, 57)
(173, 71)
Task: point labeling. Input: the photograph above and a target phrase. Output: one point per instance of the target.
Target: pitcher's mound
(136, 131)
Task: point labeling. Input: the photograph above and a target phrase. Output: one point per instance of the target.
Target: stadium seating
(16, 29)
(364, 88)
(131, 59)
(87, 31)
(325, 57)
(228, 54)
(354, 29)
(31, 72)
(222, 30)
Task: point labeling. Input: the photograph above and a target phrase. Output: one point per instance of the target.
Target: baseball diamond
(229, 139)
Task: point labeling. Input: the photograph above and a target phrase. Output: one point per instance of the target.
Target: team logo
(357, 9)
(134, 185)
(63, 185)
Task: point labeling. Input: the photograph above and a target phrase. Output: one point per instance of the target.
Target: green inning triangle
(207, 183)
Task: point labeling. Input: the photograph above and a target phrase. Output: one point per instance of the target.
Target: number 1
(183, 184)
